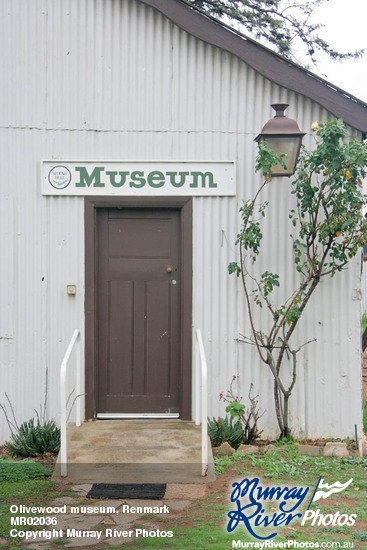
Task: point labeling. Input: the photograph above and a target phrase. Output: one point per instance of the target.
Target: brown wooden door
(138, 303)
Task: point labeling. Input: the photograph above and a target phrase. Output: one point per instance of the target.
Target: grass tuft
(22, 470)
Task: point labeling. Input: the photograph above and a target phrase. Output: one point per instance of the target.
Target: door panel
(139, 313)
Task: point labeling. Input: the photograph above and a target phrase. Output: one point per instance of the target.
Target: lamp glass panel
(288, 145)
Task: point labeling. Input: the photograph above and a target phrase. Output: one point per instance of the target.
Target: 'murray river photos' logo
(252, 491)
(250, 498)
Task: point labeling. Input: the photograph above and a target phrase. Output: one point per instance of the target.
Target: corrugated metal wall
(364, 288)
(114, 79)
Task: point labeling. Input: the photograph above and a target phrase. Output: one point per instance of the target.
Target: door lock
(169, 269)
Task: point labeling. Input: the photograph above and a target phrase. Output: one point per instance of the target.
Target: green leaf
(233, 267)
(235, 409)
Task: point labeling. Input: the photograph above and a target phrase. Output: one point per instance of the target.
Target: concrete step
(135, 451)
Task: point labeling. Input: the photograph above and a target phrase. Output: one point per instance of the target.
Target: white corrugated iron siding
(114, 79)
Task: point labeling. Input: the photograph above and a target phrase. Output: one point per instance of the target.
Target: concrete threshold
(135, 451)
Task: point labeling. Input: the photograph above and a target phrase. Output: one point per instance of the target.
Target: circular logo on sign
(59, 177)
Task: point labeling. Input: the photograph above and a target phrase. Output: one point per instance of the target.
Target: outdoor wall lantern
(282, 134)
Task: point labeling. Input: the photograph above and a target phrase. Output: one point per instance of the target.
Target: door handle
(169, 269)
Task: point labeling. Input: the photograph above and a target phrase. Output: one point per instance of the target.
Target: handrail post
(64, 364)
(204, 405)
(197, 386)
(78, 385)
(63, 444)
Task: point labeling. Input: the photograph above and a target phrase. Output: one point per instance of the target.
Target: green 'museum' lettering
(139, 179)
(172, 176)
(87, 180)
(203, 176)
(113, 178)
(156, 179)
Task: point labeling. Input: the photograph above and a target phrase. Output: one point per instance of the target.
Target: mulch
(47, 459)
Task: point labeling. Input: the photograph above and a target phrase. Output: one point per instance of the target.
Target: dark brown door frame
(91, 204)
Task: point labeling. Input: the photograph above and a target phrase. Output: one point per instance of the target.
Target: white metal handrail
(204, 404)
(78, 414)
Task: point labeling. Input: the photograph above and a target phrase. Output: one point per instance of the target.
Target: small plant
(35, 438)
(286, 441)
(236, 434)
(32, 437)
(248, 418)
(225, 429)
(217, 431)
(360, 535)
(222, 464)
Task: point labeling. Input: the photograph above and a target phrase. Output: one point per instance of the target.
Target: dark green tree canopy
(280, 23)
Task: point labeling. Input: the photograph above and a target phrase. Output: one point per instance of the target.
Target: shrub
(225, 429)
(22, 470)
(236, 434)
(217, 431)
(247, 417)
(35, 437)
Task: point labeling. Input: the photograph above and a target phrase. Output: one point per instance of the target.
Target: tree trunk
(286, 430)
(278, 407)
